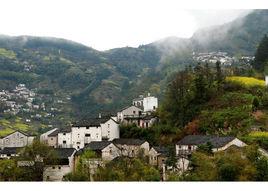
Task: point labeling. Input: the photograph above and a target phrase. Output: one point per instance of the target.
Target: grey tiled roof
(54, 133)
(91, 122)
(98, 145)
(128, 141)
(216, 141)
(64, 153)
(10, 150)
(161, 150)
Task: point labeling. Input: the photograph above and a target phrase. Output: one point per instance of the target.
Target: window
(87, 127)
(108, 126)
(78, 143)
(78, 147)
(189, 147)
(47, 177)
(179, 146)
(64, 133)
(53, 167)
(51, 139)
(134, 112)
(154, 107)
(64, 142)
(87, 135)
(59, 167)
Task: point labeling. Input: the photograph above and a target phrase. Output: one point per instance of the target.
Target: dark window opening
(64, 142)
(87, 135)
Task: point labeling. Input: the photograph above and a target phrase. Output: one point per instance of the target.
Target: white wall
(110, 129)
(56, 172)
(110, 152)
(65, 137)
(130, 111)
(266, 80)
(79, 136)
(16, 139)
(150, 103)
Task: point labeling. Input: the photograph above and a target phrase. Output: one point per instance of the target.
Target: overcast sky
(105, 24)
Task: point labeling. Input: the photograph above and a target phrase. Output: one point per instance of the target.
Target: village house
(191, 142)
(132, 147)
(130, 111)
(106, 150)
(158, 156)
(44, 136)
(63, 166)
(143, 121)
(148, 103)
(16, 139)
(65, 138)
(9, 152)
(52, 139)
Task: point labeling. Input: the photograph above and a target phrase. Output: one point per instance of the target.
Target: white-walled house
(110, 129)
(44, 136)
(132, 147)
(105, 150)
(130, 111)
(148, 103)
(191, 142)
(65, 138)
(266, 80)
(9, 152)
(64, 165)
(94, 129)
(16, 139)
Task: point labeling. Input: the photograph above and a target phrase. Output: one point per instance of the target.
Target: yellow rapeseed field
(247, 81)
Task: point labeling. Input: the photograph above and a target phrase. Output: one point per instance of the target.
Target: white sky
(105, 24)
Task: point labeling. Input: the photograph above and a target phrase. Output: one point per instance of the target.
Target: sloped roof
(216, 141)
(65, 130)
(98, 145)
(92, 122)
(161, 150)
(54, 133)
(129, 107)
(128, 141)
(10, 150)
(64, 153)
(24, 133)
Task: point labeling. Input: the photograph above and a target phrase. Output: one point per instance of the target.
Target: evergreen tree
(261, 55)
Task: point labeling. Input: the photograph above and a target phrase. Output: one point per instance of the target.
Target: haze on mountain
(108, 24)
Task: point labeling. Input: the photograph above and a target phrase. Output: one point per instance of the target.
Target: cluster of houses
(102, 135)
(24, 100)
(223, 57)
(17, 99)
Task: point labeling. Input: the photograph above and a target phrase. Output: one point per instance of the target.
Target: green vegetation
(125, 169)
(245, 164)
(7, 53)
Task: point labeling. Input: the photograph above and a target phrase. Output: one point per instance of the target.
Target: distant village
(22, 100)
(223, 57)
(102, 135)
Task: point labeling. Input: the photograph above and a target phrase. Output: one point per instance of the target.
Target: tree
(126, 169)
(40, 154)
(8, 170)
(261, 55)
